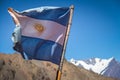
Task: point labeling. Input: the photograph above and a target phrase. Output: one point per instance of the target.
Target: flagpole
(59, 72)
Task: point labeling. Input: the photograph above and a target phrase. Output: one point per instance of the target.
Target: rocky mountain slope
(107, 67)
(13, 67)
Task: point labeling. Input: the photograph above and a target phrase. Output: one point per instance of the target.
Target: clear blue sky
(95, 30)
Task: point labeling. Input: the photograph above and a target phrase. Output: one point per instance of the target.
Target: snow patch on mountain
(106, 67)
(96, 64)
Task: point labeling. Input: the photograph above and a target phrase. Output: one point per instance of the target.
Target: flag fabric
(43, 31)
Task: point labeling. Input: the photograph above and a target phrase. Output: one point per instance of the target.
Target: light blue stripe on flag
(40, 49)
(60, 15)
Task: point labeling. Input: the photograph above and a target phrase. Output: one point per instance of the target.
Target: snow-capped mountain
(107, 67)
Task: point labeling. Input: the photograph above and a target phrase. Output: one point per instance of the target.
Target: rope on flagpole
(59, 72)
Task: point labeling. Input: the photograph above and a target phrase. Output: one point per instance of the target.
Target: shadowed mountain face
(13, 67)
(113, 69)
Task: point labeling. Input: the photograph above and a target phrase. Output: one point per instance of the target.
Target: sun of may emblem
(39, 27)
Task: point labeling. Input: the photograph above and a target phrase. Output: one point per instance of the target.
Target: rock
(1, 64)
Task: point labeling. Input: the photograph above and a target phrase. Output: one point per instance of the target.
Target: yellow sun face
(39, 27)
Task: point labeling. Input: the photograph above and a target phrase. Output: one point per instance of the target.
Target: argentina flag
(43, 31)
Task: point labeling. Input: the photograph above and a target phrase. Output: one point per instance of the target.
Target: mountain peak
(111, 59)
(100, 66)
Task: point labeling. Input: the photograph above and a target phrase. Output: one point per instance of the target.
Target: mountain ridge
(14, 67)
(105, 67)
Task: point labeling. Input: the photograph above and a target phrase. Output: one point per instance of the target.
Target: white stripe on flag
(50, 31)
